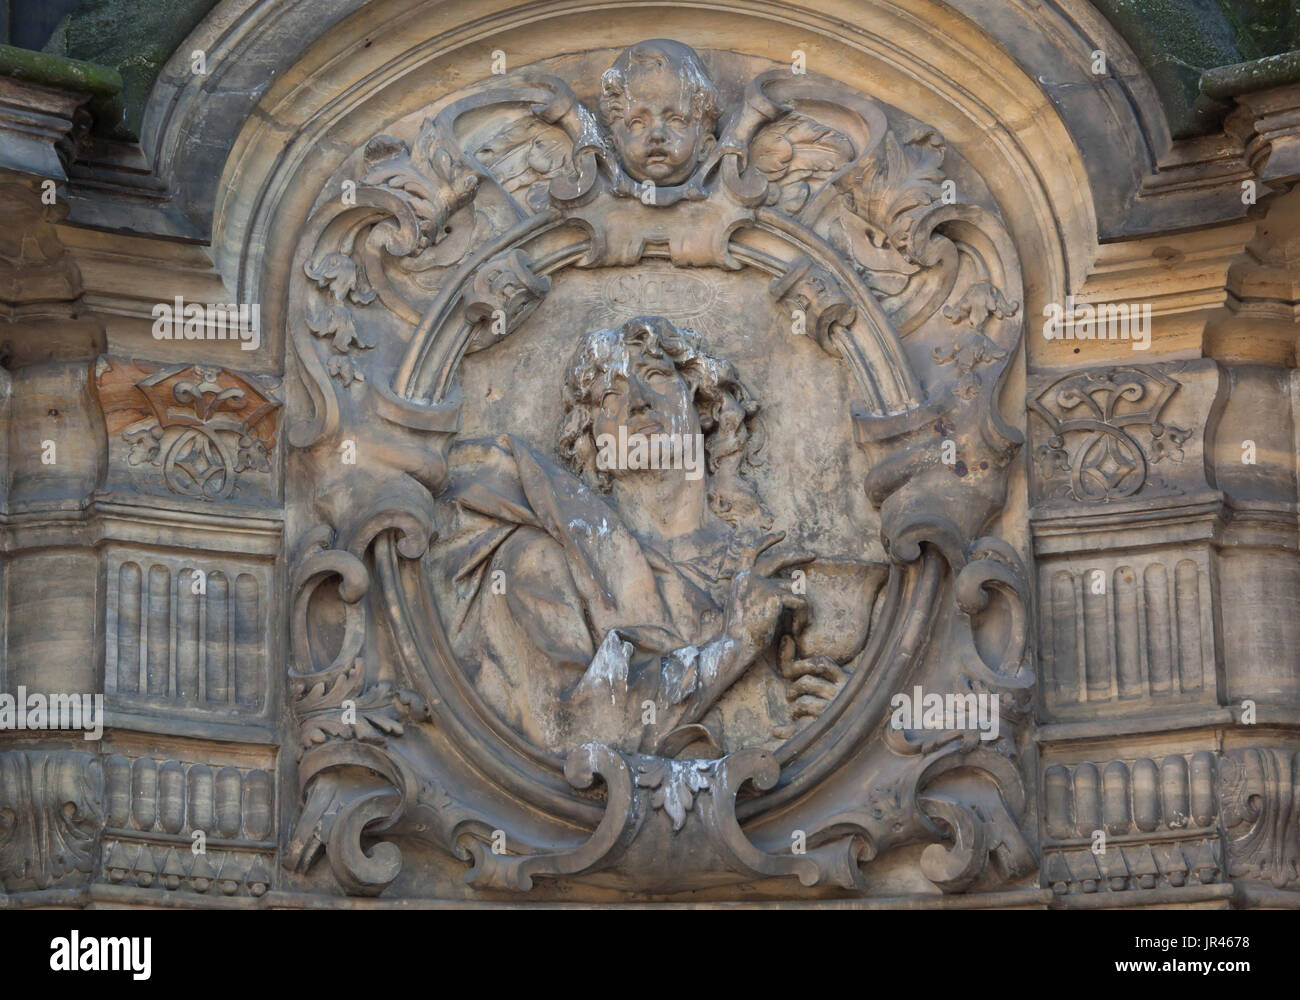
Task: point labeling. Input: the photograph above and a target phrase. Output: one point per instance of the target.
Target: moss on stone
(1265, 27)
(59, 72)
(1177, 41)
(135, 39)
(1180, 40)
(104, 85)
(1272, 71)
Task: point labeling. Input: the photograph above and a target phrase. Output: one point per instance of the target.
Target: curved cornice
(368, 67)
(1010, 84)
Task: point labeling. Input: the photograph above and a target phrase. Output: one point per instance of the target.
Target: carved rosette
(444, 245)
(208, 431)
(1105, 433)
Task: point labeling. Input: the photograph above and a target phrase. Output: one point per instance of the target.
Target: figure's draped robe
(575, 630)
(580, 631)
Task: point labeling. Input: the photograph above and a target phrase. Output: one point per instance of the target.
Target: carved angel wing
(524, 157)
(795, 154)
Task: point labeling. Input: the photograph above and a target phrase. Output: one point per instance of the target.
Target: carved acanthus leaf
(1258, 790)
(888, 198)
(344, 278)
(893, 189)
(349, 709)
(437, 186)
(397, 211)
(51, 812)
(675, 783)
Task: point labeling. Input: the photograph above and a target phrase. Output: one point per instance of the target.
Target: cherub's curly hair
(728, 412)
(665, 54)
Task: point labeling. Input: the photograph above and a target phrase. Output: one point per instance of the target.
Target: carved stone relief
(51, 811)
(1102, 460)
(1120, 627)
(1162, 819)
(154, 809)
(183, 634)
(202, 431)
(568, 667)
(640, 439)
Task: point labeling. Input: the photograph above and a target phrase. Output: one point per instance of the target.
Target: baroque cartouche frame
(809, 184)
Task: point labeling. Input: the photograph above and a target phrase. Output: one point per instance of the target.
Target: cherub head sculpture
(654, 378)
(661, 110)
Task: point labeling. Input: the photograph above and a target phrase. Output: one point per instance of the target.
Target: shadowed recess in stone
(135, 39)
(1179, 40)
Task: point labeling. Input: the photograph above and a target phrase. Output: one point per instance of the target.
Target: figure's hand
(811, 684)
(755, 609)
(749, 551)
(759, 598)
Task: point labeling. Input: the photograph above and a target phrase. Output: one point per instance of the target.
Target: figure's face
(659, 138)
(648, 396)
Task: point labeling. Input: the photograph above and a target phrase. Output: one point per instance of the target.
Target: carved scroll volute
(980, 817)
(398, 209)
(375, 460)
(388, 221)
(815, 301)
(939, 472)
(1259, 793)
(938, 468)
(502, 295)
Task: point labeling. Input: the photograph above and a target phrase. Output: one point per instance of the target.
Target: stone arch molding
(439, 238)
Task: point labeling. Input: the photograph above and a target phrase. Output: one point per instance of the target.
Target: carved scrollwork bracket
(816, 302)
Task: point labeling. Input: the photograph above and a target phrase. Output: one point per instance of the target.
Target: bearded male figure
(624, 605)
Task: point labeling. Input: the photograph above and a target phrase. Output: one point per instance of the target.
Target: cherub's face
(660, 138)
(647, 396)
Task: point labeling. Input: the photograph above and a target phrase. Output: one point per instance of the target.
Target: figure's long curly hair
(728, 412)
(668, 56)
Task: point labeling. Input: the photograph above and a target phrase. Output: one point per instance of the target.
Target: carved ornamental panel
(650, 448)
